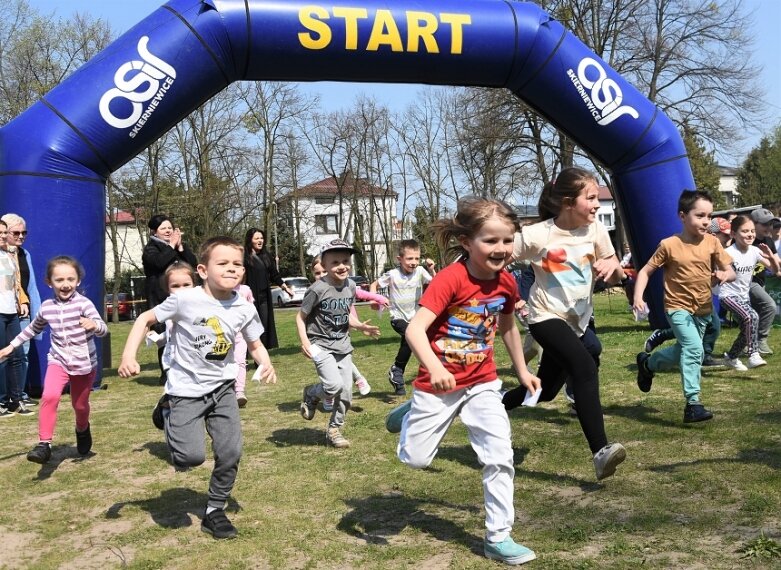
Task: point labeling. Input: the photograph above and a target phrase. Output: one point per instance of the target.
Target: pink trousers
(80, 387)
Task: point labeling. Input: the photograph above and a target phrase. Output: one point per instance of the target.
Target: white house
(349, 208)
(607, 208)
(129, 241)
(728, 184)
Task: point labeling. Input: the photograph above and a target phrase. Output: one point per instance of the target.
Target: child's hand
(721, 276)
(268, 374)
(128, 367)
(429, 263)
(764, 248)
(6, 352)
(442, 380)
(529, 381)
(605, 268)
(370, 330)
(87, 324)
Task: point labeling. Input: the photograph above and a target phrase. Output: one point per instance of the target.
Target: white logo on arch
(602, 95)
(152, 72)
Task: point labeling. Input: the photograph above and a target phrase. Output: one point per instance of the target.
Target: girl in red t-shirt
(452, 337)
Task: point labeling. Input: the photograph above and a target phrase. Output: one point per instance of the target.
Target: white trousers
(481, 410)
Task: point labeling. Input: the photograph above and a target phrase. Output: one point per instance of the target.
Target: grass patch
(688, 496)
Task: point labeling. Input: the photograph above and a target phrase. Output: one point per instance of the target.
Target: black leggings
(404, 353)
(567, 356)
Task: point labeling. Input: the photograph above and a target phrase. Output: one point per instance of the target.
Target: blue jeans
(686, 353)
(11, 378)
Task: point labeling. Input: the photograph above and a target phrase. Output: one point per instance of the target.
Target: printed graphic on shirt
(470, 331)
(221, 346)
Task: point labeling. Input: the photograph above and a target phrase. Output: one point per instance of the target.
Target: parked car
(299, 285)
(361, 281)
(124, 306)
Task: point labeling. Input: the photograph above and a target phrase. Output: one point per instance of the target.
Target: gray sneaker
(607, 459)
(335, 438)
(308, 404)
(764, 347)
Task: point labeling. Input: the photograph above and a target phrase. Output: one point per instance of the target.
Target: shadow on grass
(297, 437)
(385, 397)
(60, 453)
(378, 517)
(761, 456)
(643, 414)
(159, 449)
(549, 415)
(174, 508)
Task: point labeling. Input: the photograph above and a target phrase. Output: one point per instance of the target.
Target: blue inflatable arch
(57, 155)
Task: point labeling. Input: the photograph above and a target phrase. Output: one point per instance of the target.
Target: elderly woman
(17, 233)
(164, 248)
(261, 273)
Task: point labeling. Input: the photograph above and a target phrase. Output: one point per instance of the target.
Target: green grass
(688, 496)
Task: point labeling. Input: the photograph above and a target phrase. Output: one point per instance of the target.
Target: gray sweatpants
(218, 412)
(336, 381)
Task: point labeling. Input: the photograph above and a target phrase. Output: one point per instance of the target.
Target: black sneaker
(84, 441)
(29, 402)
(696, 412)
(20, 409)
(308, 406)
(654, 340)
(644, 376)
(218, 525)
(160, 408)
(396, 378)
(41, 453)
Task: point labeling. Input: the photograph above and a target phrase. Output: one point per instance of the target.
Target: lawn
(688, 496)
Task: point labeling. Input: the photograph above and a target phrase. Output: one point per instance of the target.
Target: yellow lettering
(384, 32)
(456, 21)
(421, 26)
(308, 16)
(351, 17)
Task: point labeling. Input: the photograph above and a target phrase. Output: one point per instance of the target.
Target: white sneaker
(363, 386)
(734, 363)
(756, 360)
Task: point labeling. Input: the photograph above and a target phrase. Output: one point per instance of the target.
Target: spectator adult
(164, 248)
(13, 302)
(761, 301)
(261, 274)
(17, 233)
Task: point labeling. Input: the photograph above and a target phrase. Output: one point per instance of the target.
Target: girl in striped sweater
(74, 321)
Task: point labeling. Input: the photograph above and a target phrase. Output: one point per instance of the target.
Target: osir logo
(602, 95)
(128, 79)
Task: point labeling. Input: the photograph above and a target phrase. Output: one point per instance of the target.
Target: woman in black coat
(164, 248)
(261, 273)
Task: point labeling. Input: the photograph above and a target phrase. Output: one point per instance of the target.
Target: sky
(123, 14)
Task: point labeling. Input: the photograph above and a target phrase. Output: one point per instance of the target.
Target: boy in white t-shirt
(200, 382)
(405, 287)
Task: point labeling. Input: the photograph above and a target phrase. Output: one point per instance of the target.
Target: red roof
(123, 217)
(329, 187)
(604, 193)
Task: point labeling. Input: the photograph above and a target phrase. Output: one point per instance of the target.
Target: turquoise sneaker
(396, 416)
(508, 552)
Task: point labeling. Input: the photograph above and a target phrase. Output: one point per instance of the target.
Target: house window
(326, 224)
(606, 219)
(324, 200)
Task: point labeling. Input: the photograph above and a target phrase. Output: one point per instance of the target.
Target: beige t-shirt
(562, 261)
(687, 272)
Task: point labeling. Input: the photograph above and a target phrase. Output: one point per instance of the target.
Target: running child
(405, 286)
(735, 295)
(200, 382)
(691, 261)
(72, 359)
(364, 388)
(177, 277)
(452, 335)
(569, 251)
(323, 324)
